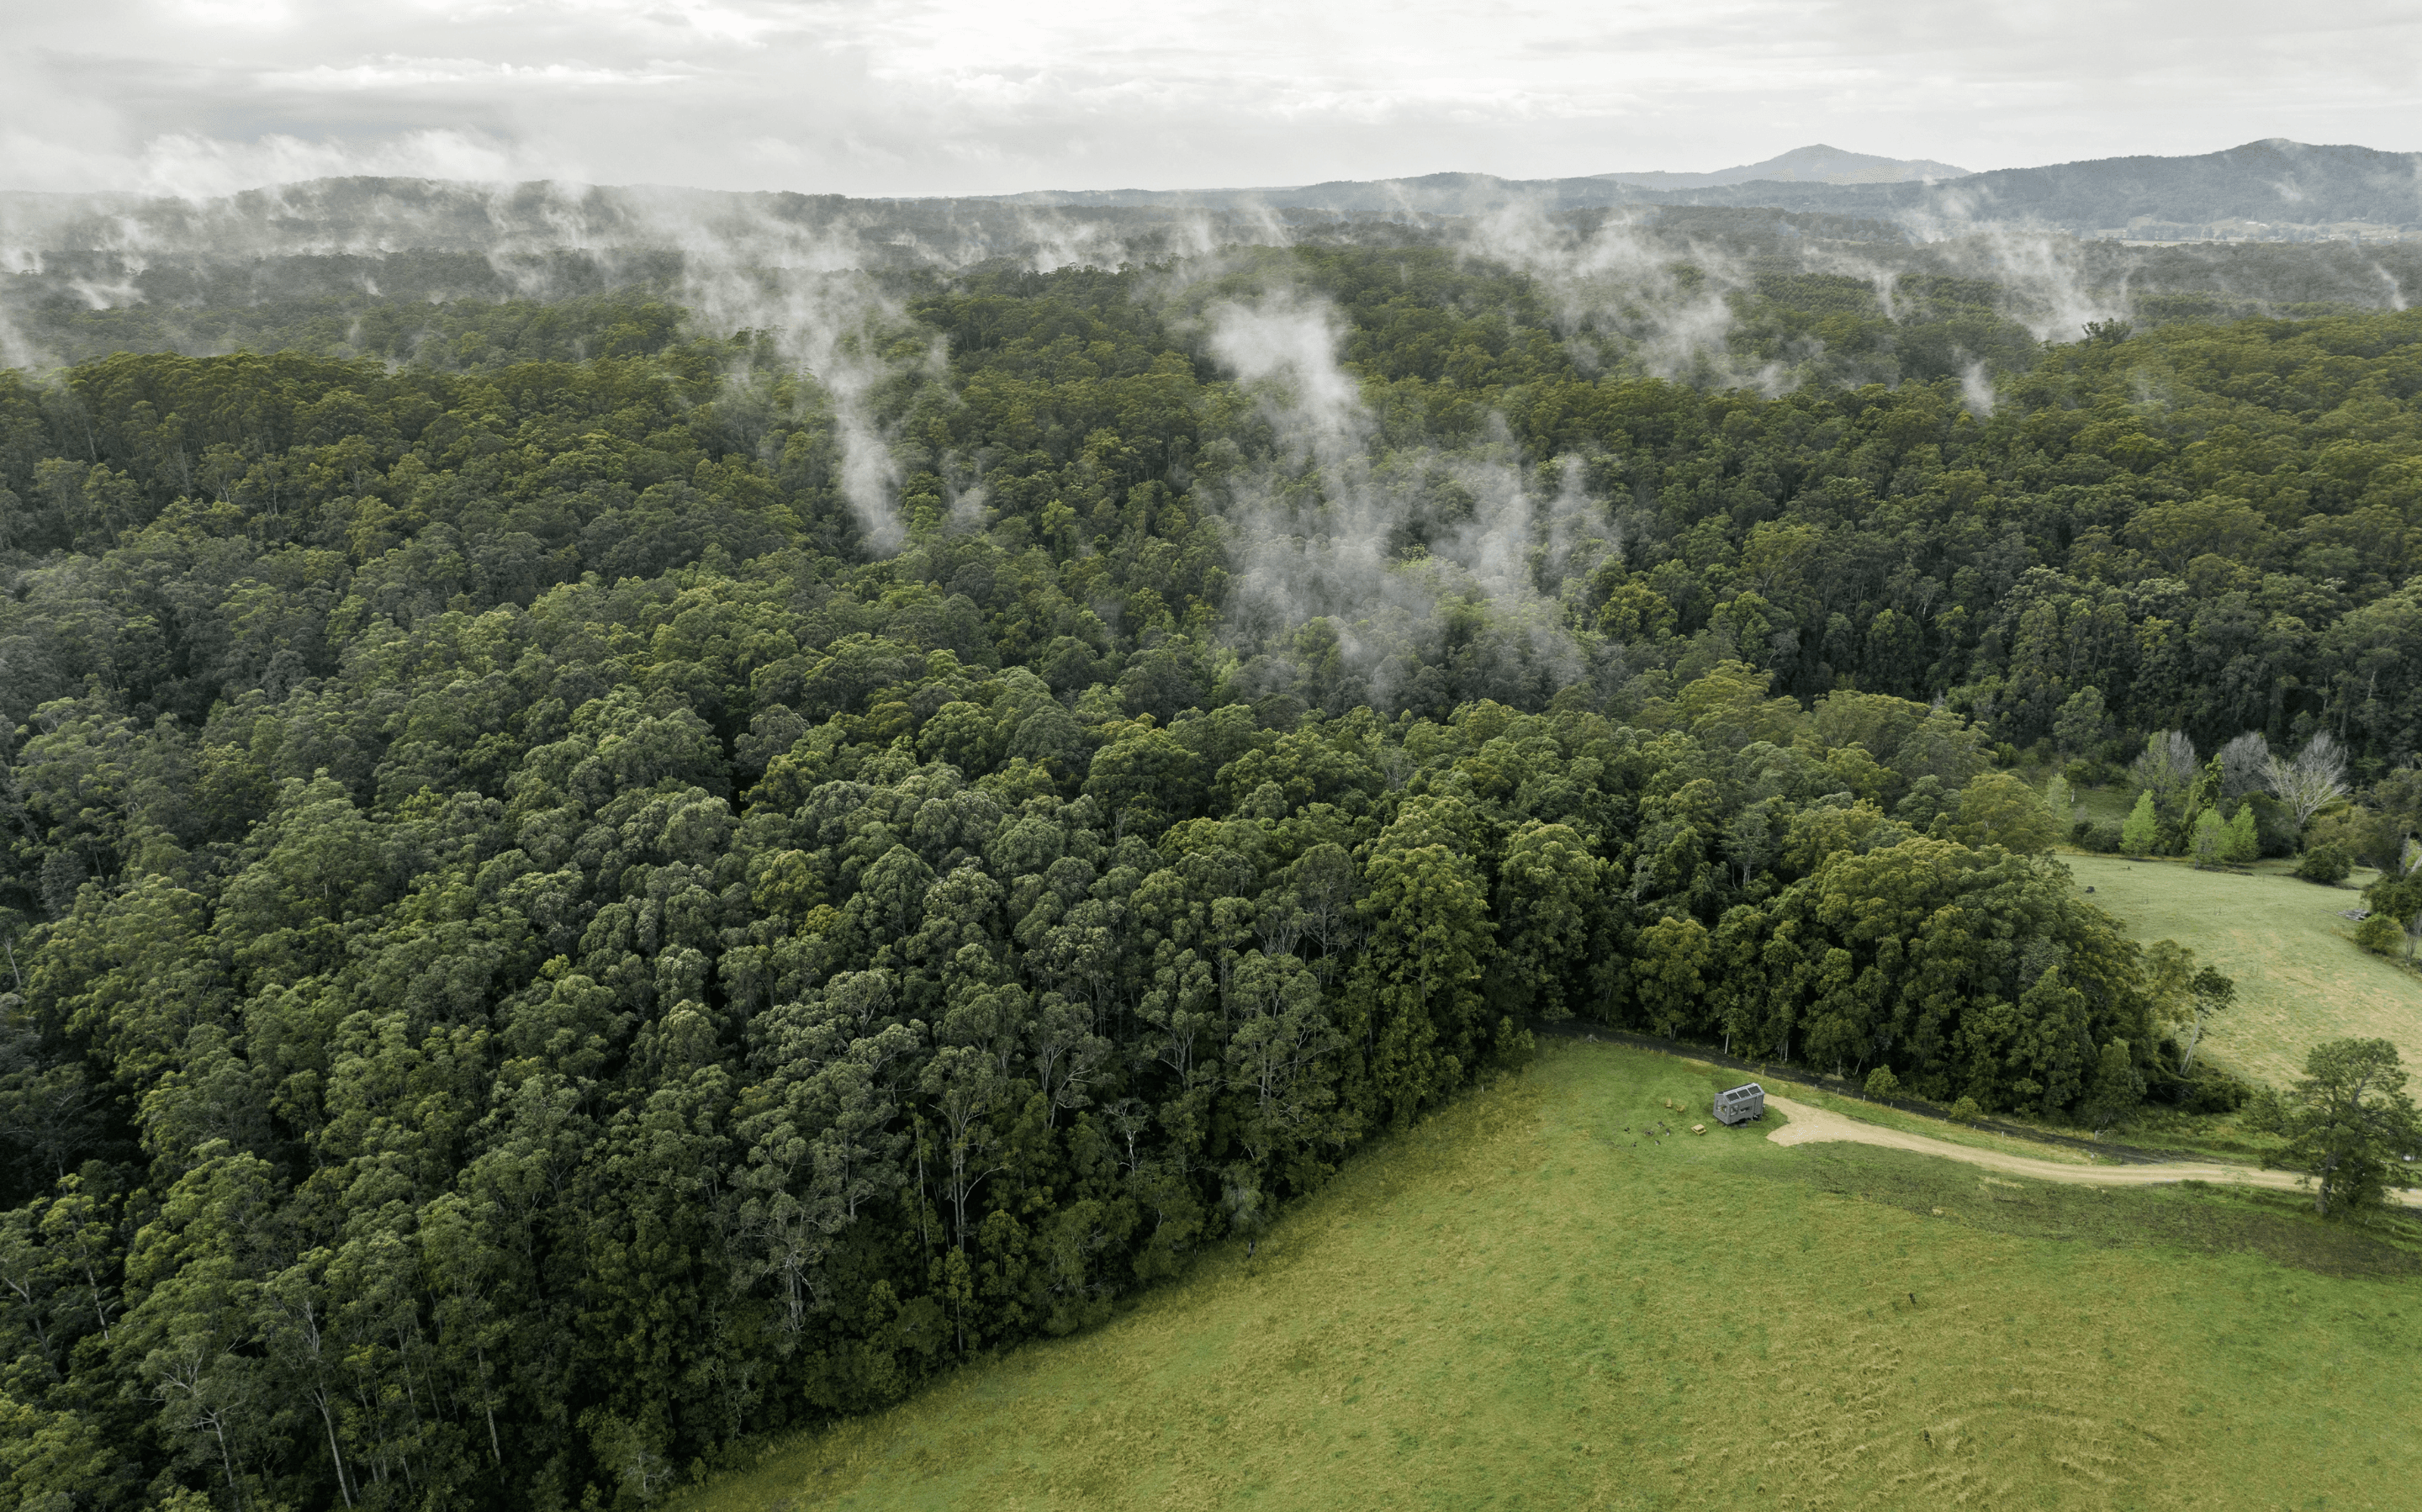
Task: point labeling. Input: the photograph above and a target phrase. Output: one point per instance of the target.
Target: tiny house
(1741, 1104)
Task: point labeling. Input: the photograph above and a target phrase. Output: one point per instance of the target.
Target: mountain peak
(1814, 163)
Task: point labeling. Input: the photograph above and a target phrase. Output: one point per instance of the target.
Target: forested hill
(562, 913)
(458, 276)
(1817, 164)
(100, 246)
(2260, 189)
(2260, 186)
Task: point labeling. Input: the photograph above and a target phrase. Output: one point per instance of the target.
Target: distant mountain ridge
(2267, 190)
(2269, 183)
(2249, 190)
(1817, 163)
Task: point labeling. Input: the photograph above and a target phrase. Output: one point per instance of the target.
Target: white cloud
(987, 96)
(422, 72)
(184, 163)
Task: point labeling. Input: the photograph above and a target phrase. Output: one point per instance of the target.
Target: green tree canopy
(2349, 1126)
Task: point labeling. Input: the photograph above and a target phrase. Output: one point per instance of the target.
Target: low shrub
(2326, 864)
(2380, 935)
(2206, 1089)
(2210, 1090)
(2100, 837)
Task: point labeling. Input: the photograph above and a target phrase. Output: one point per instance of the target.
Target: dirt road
(1812, 1125)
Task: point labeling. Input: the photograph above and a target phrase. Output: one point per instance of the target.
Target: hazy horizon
(947, 97)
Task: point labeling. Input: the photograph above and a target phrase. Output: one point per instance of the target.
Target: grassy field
(1524, 1303)
(1889, 1117)
(2300, 978)
(2103, 805)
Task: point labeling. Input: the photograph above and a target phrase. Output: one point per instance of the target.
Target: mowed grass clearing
(2300, 978)
(1520, 1304)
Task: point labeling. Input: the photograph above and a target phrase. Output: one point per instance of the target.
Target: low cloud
(191, 167)
(1377, 545)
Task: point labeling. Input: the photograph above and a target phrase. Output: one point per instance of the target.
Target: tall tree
(2208, 996)
(2141, 829)
(2313, 781)
(2166, 766)
(1426, 914)
(2349, 1126)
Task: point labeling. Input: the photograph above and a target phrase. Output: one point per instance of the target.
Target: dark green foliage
(2398, 898)
(2100, 836)
(533, 953)
(2116, 1087)
(2349, 1126)
(2326, 864)
(2205, 1089)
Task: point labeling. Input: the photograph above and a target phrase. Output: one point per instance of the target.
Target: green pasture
(2103, 805)
(2300, 978)
(1528, 1302)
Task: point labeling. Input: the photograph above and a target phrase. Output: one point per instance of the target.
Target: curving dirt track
(1812, 1125)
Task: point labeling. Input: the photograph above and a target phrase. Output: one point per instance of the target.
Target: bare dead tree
(2312, 781)
(2245, 766)
(2168, 763)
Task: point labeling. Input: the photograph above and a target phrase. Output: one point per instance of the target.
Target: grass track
(2300, 978)
(1519, 1305)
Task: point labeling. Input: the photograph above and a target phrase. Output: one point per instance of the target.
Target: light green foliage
(1997, 809)
(2060, 804)
(2139, 834)
(1143, 779)
(2382, 936)
(2239, 844)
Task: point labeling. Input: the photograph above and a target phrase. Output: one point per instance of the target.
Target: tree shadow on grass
(2192, 1216)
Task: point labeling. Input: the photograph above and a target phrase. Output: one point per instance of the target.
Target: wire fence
(1845, 1087)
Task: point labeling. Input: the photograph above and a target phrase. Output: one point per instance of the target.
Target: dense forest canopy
(457, 276)
(633, 881)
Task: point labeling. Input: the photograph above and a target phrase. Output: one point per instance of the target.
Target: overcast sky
(994, 96)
